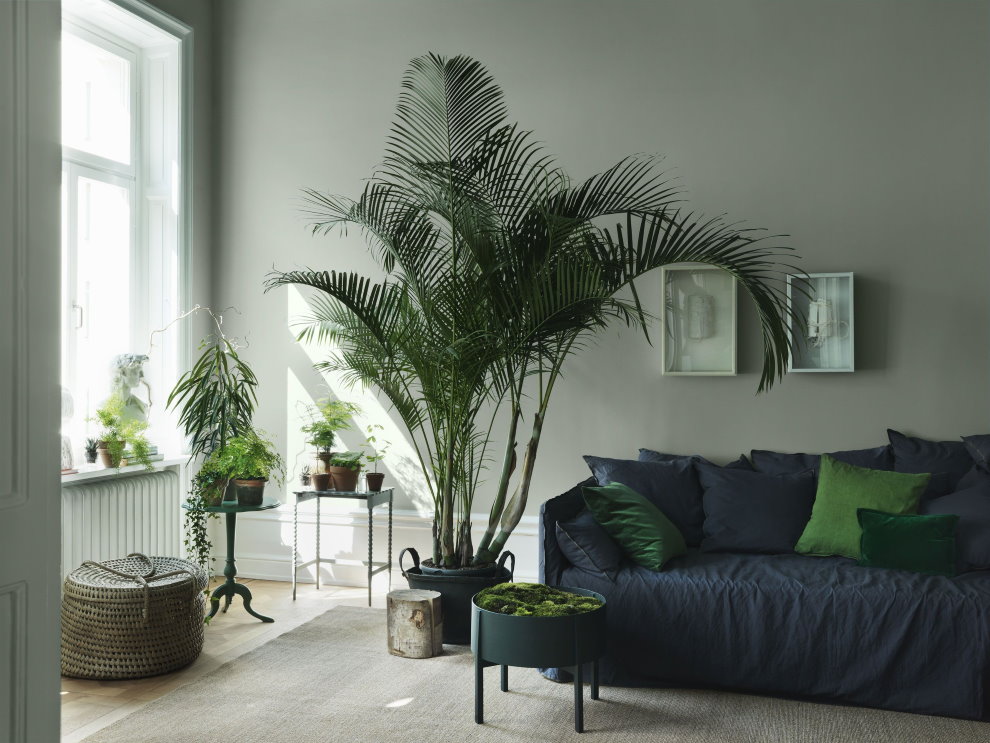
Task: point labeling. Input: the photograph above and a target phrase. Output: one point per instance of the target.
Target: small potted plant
(327, 418)
(249, 460)
(376, 478)
(91, 447)
(344, 469)
(306, 476)
(117, 433)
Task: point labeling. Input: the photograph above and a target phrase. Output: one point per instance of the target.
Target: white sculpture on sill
(128, 374)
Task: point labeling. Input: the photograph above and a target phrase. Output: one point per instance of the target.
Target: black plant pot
(250, 492)
(457, 588)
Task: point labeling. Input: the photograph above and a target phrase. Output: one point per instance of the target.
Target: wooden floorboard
(89, 706)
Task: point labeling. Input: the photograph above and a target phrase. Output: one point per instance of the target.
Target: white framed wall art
(699, 327)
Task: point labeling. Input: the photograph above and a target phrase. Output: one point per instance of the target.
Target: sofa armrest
(561, 508)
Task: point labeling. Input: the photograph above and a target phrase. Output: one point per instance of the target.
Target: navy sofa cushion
(754, 512)
(947, 461)
(649, 455)
(779, 463)
(671, 486)
(586, 545)
(972, 506)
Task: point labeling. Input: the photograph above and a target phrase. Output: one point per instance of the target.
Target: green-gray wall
(860, 128)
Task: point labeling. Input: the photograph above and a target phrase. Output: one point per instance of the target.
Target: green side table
(230, 588)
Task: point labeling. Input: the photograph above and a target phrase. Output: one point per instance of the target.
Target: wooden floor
(88, 706)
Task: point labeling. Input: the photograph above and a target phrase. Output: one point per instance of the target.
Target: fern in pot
(249, 461)
(498, 269)
(326, 419)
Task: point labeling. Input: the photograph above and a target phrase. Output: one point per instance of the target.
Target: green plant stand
(230, 588)
(539, 642)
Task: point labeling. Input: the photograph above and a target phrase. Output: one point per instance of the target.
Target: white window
(124, 220)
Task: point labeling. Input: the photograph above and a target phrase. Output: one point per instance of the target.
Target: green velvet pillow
(842, 489)
(647, 536)
(922, 544)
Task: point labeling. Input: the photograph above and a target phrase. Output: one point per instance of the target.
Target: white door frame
(30, 399)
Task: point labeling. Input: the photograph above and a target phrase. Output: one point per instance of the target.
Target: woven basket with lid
(133, 617)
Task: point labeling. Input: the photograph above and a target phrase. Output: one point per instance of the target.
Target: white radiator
(110, 518)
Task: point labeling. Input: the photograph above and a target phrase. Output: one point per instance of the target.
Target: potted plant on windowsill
(498, 268)
(327, 418)
(249, 461)
(375, 478)
(119, 434)
(92, 450)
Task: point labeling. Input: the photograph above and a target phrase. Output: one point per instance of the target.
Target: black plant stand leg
(594, 679)
(505, 678)
(479, 690)
(578, 698)
(230, 588)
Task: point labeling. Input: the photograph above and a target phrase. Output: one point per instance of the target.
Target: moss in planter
(534, 600)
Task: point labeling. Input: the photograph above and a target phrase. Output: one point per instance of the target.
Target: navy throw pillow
(671, 486)
(947, 461)
(587, 546)
(972, 506)
(753, 511)
(779, 463)
(978, 448)
(649, 455)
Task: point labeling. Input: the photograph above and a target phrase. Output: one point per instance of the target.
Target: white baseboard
(264, 544)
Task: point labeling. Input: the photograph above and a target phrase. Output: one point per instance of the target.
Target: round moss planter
(456, 587)
(539, 642)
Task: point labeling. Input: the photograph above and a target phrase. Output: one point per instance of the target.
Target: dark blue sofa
(818, 628)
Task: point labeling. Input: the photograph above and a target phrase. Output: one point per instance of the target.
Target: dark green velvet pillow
(843, 488)
(922, 544)
(647, 536)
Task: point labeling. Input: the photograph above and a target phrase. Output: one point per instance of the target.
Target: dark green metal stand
(230, 588)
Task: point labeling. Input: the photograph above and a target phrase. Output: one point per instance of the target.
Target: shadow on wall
(305, 385)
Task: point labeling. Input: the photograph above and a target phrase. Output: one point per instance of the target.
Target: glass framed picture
(823, 302)
(699, 328)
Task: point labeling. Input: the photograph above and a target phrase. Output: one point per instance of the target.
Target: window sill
(94, 472)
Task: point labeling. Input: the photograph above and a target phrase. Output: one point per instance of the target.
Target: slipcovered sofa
(820, 628)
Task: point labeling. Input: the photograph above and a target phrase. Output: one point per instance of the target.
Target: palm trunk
(464, 547)
(508, 465)
(447, 551)
(514, 510)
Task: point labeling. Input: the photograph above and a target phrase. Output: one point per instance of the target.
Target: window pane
(96, 100)
(102, 289)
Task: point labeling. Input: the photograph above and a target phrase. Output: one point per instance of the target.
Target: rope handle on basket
(142, 580)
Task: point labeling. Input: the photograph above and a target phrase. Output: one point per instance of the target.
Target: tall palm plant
(498, 269)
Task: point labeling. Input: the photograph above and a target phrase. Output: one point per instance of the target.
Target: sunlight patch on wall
(401, 465)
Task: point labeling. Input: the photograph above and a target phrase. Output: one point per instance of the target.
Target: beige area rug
(332, 680)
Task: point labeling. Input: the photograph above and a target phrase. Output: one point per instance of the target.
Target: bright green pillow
(842, 489)
(640, 528)
(922, 544)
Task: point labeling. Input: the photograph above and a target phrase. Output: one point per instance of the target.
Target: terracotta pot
(344, 478)
(106, 458)
(375, 480)
(250, 492)
(321, 481)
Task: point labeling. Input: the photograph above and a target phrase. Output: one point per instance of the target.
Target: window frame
(136, 175)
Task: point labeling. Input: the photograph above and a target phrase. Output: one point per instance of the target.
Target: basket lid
(95, 575)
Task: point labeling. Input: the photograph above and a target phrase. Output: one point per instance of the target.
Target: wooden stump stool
(415, 623)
